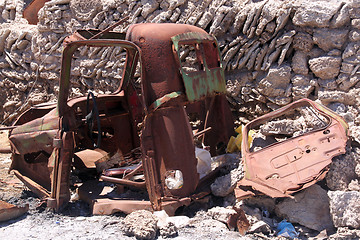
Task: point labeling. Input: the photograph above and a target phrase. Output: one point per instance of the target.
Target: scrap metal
(286, 167)
(9, 211)
(48, 141)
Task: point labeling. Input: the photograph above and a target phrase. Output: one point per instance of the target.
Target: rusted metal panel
(33, 186)
(97, 195)
(36, 135)
(211, 78)
(61, 165)
(161, 68)
(169, 125)
(283, 168)
(68, 52)
(31, 11)
(217, 116)
(9, 211)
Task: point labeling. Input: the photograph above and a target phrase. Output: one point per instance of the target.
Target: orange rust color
(31, 11)
(9, 211)
(286, 167)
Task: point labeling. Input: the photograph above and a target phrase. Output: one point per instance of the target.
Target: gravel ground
(76, 222)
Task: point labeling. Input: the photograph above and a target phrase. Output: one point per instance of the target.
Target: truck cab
(137, 136)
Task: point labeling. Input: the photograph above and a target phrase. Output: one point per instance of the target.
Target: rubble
(142, 224)
(310, 208)
(226, 184)
(344, 208)
(342, 170)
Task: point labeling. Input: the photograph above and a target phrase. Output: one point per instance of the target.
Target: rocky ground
(313, 213)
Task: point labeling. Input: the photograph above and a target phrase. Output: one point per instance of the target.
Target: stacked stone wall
(274, 52)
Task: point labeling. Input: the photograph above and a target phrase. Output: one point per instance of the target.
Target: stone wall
(274, 52)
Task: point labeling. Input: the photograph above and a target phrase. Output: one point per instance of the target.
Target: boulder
(310, 208)
(345, 208)
(342, 170)
(224, 185)
(325, 67)
(328, 39)
(315, 13)
(142, 224)
(276, 81)
(299, 63)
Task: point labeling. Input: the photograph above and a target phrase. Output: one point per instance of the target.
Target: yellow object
(234, 143)
(231, 147)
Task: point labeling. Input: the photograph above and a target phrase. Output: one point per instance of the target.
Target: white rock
(345, 208)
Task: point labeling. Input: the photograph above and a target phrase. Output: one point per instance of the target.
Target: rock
(179, 221)
(328, 39)
(264, 202)
(325, 67)
(350, 50)
(354, 35)
(283, 127)
(224, 185)
(357, 170)
(355, 23)
(345, 233)
(299, 63)
(168, 230)
(310, 208)
(161, 217)
(354, 12)
(142, 224)
(337, 96)
(176, 221)
(212, 225)
(276, 81)
(85, 10)
(342, 170)
(148, 6)
(345, 208)
(302, 86)
(315, 13)
(354, 185)
(222, 214)
(260, 227)
(347, 82)
(342, 17)
(339, 108)
(328, 84)
(334, 53)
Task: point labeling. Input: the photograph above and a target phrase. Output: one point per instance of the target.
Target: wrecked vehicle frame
(146, 130)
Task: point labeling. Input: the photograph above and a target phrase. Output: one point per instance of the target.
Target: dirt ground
(76, 221)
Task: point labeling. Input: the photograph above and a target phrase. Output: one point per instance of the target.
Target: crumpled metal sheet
(283, 168)
(9, 211)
